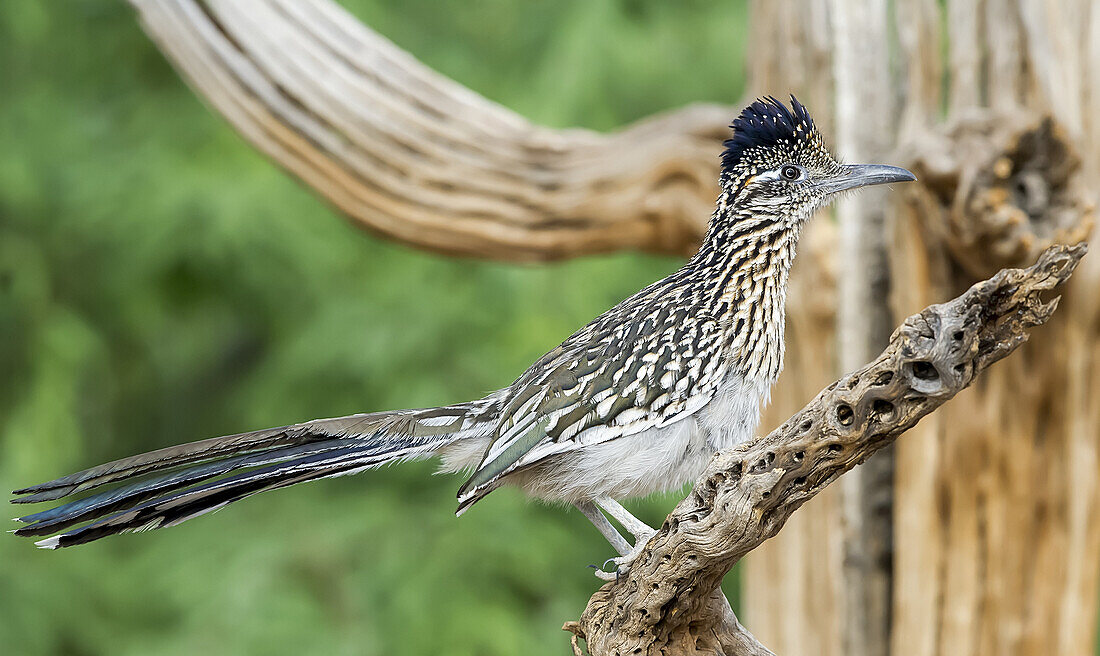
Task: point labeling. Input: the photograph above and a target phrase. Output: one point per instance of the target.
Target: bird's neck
(747, 257)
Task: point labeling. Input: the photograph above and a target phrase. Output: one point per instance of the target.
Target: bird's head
(777, 164)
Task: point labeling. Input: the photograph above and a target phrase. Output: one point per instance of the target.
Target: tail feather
(186, 481)
(192, 502)
(198, 451)
(119, 498)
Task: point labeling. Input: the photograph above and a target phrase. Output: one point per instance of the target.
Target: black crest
(766, 122)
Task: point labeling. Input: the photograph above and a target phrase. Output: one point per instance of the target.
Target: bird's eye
(790, 172)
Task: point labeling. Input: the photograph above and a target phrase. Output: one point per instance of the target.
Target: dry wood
(997, 509)
(793, 585)
(416, 157)
(997, 502)
(1016, 460)
(669, 601)
(998, 189)
(866, 132)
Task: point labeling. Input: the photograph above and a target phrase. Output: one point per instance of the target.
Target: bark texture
(1010, 169)
(997, 506)
(865, 133)
(416, 157)
(666, 603)
(794, 591)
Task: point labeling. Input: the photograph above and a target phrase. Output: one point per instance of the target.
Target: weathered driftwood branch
(414, 156)
(670, 603)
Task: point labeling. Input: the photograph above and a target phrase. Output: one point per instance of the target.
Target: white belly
(653, 460)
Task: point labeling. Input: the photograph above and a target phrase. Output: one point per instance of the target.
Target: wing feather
(649, 367)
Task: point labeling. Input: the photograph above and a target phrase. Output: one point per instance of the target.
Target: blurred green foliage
(160, 282)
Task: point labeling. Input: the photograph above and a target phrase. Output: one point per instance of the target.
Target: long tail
(181, 482)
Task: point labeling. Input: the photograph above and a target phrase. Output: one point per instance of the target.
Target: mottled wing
(647, 363)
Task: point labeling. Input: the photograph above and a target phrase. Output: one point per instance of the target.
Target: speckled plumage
(635, 401)
(662, 355)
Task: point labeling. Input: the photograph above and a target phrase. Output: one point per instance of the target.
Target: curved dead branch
(670, 603)
(414, 156)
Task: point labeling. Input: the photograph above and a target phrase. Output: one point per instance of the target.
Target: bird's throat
(748, 259)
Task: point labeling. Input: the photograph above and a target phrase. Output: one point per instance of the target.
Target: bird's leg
(641, 531)
(636, 527)
(618, 542)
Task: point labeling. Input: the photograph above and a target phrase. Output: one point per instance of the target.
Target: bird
(635, 402)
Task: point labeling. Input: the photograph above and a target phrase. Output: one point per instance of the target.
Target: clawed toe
(611, 575)
(621, 563)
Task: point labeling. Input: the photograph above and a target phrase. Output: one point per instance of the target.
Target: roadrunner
(633, 403)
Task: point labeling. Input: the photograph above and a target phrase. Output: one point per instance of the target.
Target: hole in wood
(883, 409)
(1005, 204)
(844, 414)
(925, 370)
(763, 463)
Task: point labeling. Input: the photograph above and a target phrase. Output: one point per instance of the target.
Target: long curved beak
(853, 176)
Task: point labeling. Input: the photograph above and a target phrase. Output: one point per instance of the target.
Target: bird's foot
(622, 563)
(605, 574)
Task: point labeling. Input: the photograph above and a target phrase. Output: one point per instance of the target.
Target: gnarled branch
(670, 603)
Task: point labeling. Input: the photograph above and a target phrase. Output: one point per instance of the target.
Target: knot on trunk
(1000, 190)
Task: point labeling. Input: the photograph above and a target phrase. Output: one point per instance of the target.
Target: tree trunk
(996, 507)
(865, 133)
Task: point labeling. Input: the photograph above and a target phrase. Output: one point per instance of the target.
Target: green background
(160, 282)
